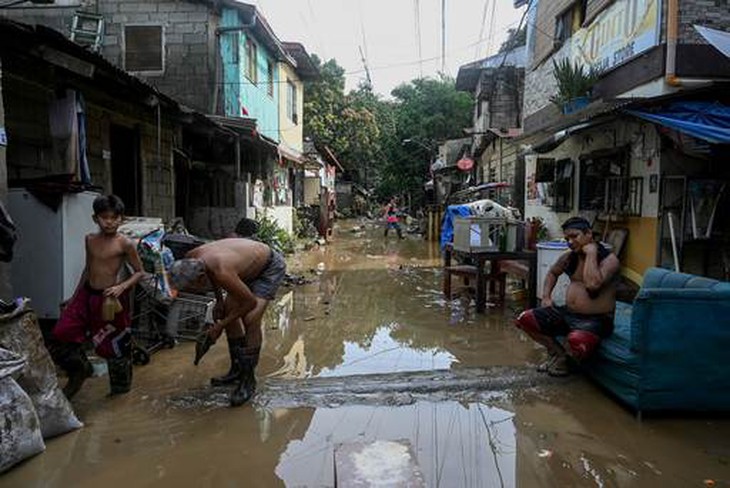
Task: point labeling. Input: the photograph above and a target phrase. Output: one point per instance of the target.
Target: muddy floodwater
(370, 351)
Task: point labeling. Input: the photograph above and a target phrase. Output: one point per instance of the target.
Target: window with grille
(569, 22)
(270, 77)
(624, 196)
(555, 182)
(144, 49)
(595, 170)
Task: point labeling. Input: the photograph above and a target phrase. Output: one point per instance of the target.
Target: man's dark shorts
(558, 321)
(266, 284)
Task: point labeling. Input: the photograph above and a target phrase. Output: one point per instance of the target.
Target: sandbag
(20, 433)
(20, 333)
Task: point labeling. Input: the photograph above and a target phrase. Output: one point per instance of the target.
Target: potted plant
(574, 85)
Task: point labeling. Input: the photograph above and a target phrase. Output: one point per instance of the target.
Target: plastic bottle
(109, 309)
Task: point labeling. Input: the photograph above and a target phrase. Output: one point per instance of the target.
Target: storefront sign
(621, 32)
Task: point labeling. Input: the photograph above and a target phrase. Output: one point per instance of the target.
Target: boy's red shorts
(82, 320)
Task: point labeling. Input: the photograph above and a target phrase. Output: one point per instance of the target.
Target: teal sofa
(670, 349)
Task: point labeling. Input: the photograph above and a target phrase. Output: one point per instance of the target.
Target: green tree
(366, 131)
(515, 38)
(427, 111)
(347, 124)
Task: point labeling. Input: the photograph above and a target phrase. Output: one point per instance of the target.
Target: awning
(709, 121)
(552, 142)
(290, 154)
(720, 40)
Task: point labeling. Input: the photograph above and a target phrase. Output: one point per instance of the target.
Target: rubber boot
(246, 387)
(232, 375)
(72, 359)
(120, 375)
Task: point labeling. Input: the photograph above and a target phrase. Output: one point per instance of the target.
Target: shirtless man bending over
(590, 301)
(249, 272)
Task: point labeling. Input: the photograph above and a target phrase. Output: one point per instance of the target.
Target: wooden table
(494, 257)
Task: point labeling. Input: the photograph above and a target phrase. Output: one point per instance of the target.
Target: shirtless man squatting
(588, 314)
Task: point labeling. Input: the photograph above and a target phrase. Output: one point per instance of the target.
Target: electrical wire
(481, 26)
(417, 7)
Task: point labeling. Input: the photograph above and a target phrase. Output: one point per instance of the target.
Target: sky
(387, 32)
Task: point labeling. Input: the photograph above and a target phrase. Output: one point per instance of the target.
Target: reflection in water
(281, 312)
(385, 355)
(455, 445)
(295, 362)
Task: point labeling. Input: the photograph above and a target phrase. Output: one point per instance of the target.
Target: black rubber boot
(246, 387)
(120, 375)
(232, 375)
(72, 359)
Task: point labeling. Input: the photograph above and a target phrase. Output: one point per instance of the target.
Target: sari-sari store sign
(621, 32)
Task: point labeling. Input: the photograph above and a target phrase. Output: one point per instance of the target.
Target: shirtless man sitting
(250, 272)
(590, 301)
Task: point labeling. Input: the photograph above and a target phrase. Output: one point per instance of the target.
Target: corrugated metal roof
(19, 37)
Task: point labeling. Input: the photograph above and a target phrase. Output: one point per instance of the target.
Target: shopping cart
(159, 321)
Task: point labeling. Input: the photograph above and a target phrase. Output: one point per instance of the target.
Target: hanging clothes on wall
(84, 173)
(67, 122)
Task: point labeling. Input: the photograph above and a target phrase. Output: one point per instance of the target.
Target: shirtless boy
(249, 272)
(82, 318)
(590, 300)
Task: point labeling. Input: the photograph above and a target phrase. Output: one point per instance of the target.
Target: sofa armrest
(682, 337)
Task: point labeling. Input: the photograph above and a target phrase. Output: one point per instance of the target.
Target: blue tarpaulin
(709, 121)
(447, 228)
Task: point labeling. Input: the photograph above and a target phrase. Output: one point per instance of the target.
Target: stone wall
(540, 85)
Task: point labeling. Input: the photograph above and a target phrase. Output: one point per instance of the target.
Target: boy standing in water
(391, 218)
(99, 308)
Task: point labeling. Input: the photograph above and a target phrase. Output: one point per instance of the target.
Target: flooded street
(460, 387)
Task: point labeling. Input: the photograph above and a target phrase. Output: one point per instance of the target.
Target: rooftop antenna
(365, 65)
(443, 36)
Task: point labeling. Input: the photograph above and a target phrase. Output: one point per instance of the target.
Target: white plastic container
(548, 253)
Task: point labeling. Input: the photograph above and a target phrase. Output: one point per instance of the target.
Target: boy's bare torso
(247, 258)
(105, 256)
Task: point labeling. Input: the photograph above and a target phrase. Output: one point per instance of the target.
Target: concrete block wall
(189, 32)
(58, 16)
(709, 13)
(190, 46)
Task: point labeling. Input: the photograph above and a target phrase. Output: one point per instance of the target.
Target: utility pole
(443, 36)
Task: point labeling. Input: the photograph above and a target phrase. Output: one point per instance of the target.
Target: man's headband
(577, 224)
